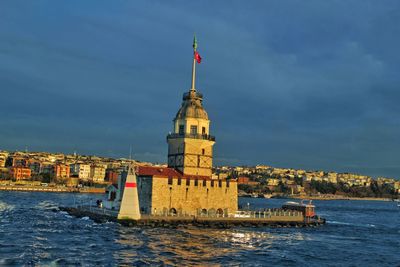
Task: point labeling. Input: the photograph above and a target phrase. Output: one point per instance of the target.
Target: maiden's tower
(186, 186)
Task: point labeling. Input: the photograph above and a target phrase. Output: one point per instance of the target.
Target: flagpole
(194, 64)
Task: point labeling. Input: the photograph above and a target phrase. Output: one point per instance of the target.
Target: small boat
(308, 209)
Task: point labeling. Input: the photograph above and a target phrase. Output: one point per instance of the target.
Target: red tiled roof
(192, 177)
(167, 172)
(158, 171)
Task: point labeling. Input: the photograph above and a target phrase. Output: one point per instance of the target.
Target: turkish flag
(197, 57)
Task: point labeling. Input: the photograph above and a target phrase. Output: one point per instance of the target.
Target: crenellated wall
(189, 198)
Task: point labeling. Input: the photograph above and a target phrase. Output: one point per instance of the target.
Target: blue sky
(302, 84)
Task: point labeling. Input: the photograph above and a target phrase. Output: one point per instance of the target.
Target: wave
(6, 207)
(66, 214)
(47, 205)
(336, 222)
(351, 224)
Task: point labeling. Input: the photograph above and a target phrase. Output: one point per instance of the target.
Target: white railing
(240, 214)
(260, 214)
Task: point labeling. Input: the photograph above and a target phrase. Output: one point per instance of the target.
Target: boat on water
(306, 208)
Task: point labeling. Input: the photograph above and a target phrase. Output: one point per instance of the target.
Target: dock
(272, 218)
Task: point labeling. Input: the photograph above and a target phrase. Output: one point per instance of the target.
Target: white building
(81, 170)
(98, 172)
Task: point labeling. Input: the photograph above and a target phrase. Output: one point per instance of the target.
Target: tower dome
(192, 106)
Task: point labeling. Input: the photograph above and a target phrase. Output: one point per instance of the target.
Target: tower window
(203, 130)
(169, 179)
(212, 183)
(181, 129)
(193, 129)
(204, 183)
(196, 182)
(188, 182)
(179, 181)
(203, 151)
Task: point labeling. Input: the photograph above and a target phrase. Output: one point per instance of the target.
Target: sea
(34, 233)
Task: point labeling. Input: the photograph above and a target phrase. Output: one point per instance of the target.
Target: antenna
(130, 152)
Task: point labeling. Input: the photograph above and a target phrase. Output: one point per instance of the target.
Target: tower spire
(194, 64)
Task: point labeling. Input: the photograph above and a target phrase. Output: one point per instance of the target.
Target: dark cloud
(298, 84)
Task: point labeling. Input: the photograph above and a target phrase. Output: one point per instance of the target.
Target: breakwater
(276, 218)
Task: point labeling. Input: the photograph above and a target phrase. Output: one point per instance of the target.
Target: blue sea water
(358, 233)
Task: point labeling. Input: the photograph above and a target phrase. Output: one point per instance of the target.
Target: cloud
(288, 83)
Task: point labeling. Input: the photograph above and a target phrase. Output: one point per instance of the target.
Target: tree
(46, 178)
(282, 188)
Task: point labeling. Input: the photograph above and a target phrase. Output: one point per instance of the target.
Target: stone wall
(191, 156)
(190, 198)
(144, 185)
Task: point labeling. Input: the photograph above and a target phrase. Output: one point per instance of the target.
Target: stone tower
(190, 146)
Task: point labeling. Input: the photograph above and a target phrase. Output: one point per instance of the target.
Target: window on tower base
(181, 129)
(193, 129)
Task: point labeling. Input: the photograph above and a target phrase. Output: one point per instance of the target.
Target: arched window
(220, 212)
(172, 211)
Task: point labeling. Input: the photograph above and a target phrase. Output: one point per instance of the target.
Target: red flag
(197, 57)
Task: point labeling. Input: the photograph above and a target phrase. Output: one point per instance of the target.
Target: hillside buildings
(20, 173)
(62, 167)
(81, 170)
(98, 172)
(273, 178)
(3, 159)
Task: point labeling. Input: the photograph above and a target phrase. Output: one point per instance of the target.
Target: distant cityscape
(269, 180)
(74, 170)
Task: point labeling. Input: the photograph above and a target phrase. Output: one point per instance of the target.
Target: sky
(299, 84)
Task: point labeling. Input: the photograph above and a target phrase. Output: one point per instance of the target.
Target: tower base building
(165, 191)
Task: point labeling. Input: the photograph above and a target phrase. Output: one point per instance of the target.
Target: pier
(271, 218)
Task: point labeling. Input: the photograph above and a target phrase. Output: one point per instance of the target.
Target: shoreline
(340, 198)
(324, 197)
(56, 189)
(96, 190)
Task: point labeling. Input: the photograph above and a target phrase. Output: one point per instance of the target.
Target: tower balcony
(193, 136)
